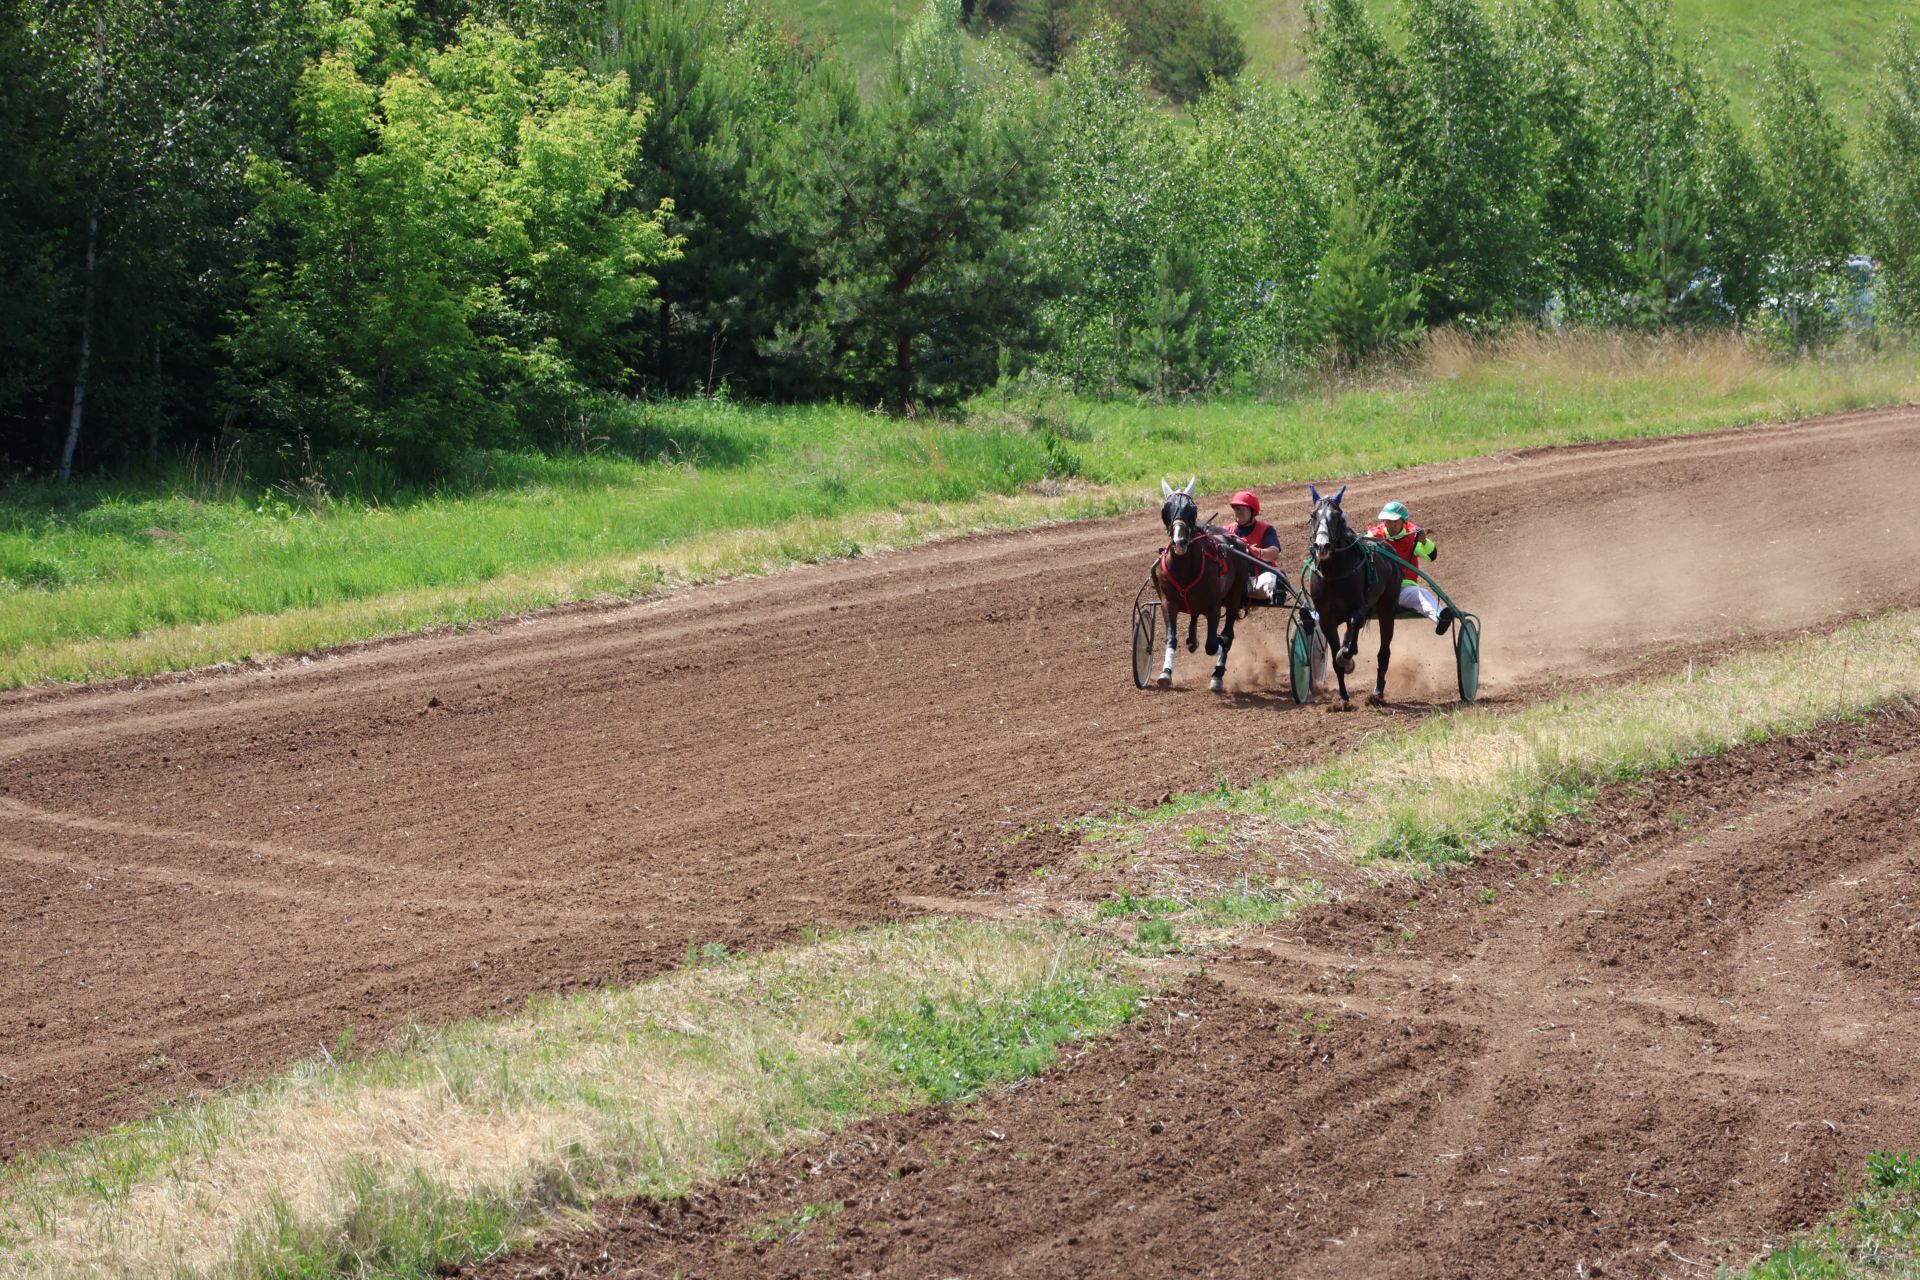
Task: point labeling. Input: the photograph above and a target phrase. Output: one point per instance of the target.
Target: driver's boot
(1447, 615)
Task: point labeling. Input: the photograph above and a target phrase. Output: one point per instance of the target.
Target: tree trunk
(662, 331)
(903, 373)
(77, 414)
(153, 420)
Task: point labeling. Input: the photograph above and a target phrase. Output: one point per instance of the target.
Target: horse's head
(1179, 514)
(1330, 533)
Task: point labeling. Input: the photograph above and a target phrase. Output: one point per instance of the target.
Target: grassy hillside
(1843, 38)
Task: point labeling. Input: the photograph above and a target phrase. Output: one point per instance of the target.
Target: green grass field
(193, 568)
(1843, 39)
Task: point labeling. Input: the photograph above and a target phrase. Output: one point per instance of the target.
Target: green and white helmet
(1394, 511)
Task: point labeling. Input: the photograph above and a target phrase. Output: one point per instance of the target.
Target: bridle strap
(1208, 556)
(1333, 553)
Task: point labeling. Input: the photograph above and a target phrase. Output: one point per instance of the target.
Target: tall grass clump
(459, 1141)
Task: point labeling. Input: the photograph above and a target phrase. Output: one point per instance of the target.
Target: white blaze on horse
(1193, 576)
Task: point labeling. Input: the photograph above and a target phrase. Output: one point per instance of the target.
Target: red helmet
(1245, 498)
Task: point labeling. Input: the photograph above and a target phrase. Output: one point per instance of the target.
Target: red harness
(1210, 558)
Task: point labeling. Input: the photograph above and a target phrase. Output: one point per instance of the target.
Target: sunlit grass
(1842, 40)
(205, 567)
(1460, 782)
(458, 1143)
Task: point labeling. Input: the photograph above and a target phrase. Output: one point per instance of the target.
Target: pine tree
(1667, 258)
(724, 82)
(1357, 305)
(918, 207)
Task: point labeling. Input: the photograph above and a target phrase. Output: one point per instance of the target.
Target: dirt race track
(205, 879)
(1672, 1036)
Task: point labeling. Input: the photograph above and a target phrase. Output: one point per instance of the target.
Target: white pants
(1419, 599)
(1265, 584)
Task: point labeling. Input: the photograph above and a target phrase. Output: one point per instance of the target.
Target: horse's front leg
(1225, 645)
(1343, 660)
(1330, 637)
(1193, 642)
(1165, 678)
(1386, 655)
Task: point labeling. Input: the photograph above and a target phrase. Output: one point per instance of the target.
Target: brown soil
(203, 880)
(1670, 1039)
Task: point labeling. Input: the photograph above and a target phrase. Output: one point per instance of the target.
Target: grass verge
(202, 567)
(1877, 1234)
(457, 1143)
(1465, 781)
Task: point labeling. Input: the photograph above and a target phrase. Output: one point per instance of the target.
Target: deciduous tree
(446, 260)
(1803, 157)
(1891, 185)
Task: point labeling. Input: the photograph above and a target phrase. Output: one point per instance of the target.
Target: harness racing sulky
(1352, 579)
(1205, 571)
(1348, 579)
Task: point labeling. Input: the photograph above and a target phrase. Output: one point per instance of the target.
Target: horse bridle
(1353, 540)
(1195, 530)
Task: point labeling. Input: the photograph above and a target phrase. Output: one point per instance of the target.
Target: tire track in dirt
(582, 796)
(1671, 1038)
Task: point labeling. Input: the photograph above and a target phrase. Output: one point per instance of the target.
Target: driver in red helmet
(1262, 543)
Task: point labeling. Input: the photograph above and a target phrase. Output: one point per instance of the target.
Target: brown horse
(1350, 579)
(1193, 576)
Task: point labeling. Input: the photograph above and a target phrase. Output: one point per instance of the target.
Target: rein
(1209, 555)
(1312, 564)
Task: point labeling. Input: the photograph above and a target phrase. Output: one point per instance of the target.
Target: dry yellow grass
(1466, 779)
(1713, 358)
(644, 1089)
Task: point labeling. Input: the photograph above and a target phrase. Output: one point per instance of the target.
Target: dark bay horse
(1194, 577)
(1350, 579)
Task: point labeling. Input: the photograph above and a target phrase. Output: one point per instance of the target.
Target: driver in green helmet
(1412, 544)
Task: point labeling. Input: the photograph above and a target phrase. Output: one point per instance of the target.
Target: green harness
(1311, 565)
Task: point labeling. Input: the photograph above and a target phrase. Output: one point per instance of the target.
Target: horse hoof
(1164, 680)
(1217, 685)
(1213, 647)
(1376, 699)
(1342, 705)
(1345, 663)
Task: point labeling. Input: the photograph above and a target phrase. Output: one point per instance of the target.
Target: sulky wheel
(1301, 640)
(1146, 638)
(1466, 657)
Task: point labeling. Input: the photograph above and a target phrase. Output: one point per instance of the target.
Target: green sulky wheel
(1300, 642)
(1466, 657)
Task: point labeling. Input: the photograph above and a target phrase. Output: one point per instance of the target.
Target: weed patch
(1253, 901)
(1877, 1234)
(1464, 781)
(955, 1048)
(459, 1142)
